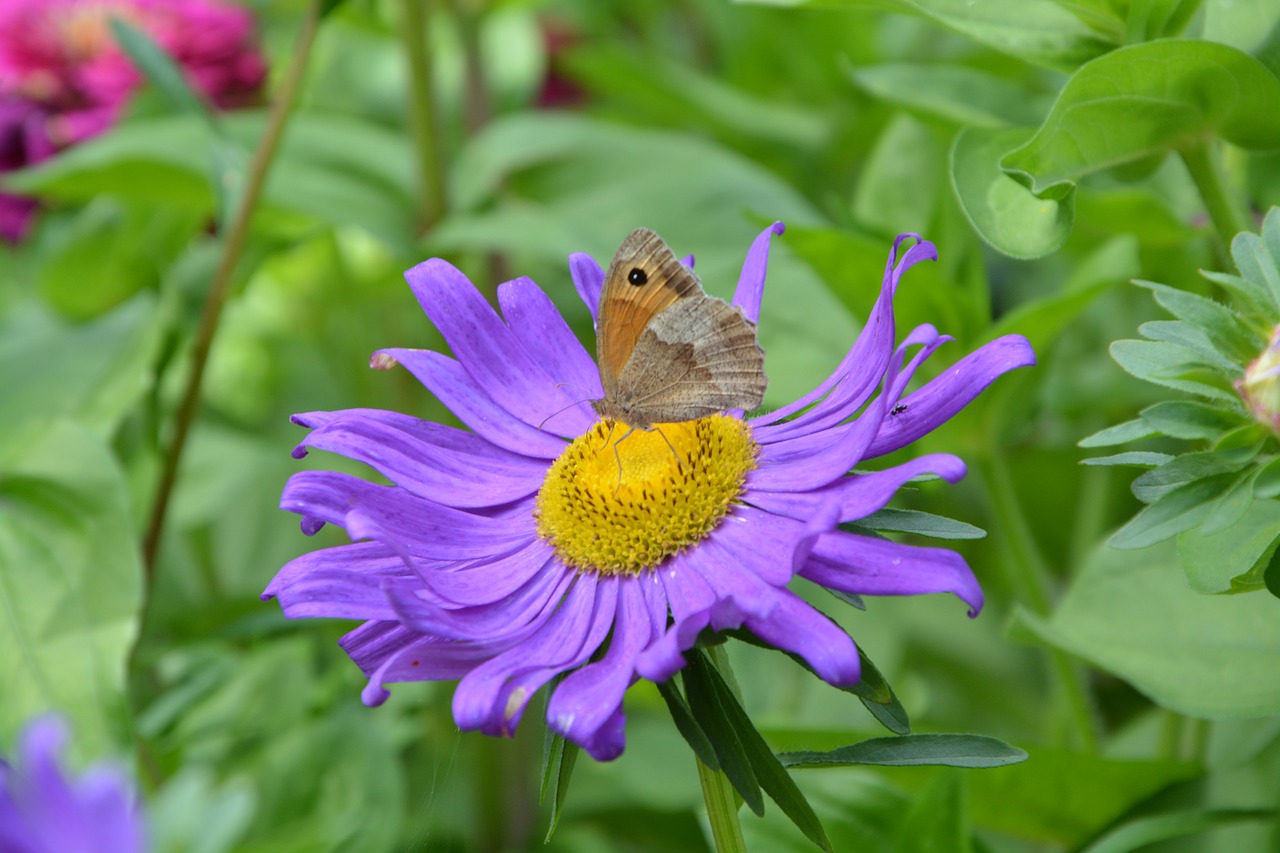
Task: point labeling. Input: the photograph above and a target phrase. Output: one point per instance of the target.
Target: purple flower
(63, 79)
(43, 811)
(506, 556)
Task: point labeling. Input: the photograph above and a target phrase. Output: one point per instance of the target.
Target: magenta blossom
(43, 810)
(537, 545)
(63, 78)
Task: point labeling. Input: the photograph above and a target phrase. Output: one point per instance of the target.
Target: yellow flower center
(619, 503)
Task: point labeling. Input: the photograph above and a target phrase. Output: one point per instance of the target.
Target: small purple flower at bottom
(42, 810)
(536, 545)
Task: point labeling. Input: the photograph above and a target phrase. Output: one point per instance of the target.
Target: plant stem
(232, 248)
(1031, 576)
(722, 810)
(1227, 213)
(424, 113)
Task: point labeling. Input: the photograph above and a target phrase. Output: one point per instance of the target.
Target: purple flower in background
(44, 811)
(534, 546)
(63, 78)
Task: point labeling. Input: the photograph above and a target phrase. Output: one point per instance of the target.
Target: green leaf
(951, 750)
(773, 777)
(158, 67)
(954, 93)
(1002, 210)
(1180, 509)
(713, 718)
(93, 373)
(558, 759)
(1170, 365)
(687, 725)
(1130, 613)
(1216, 321)
(920, 524)
(1216, 560)
(1118, 434)
(1144, 100)
(1179, 471)
(898, 186)
(1193, 340)
(70, 585)
(939, 818)
(1267, 483)
(1189, 420)
(1133, 458)
(1139, 832)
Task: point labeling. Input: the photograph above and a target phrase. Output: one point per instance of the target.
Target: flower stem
(424, 113)
(1227, 213)
(1031, 577)
(232, 248)
(722, 810)
(717, 792)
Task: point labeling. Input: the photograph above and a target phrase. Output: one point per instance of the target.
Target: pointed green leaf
(1178, 510)
(1189, 420)
(1133, 459)
(1172, 366)
(773, 777)
(1190, 338)
(1118, 434)
(1217, 561)
(1179, 471)
(1147, 99)
(158, 67)
(687, 725)
(952, 750)
(559, 757)
(1232, 506)
(1256, 259)
(1216, 321)
(920, 524)
(1267, 484)
(713, 719)
(1001, 210)
(1251, 297)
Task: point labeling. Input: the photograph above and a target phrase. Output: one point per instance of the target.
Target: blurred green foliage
(1053, 151)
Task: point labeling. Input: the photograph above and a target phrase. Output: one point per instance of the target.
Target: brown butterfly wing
(627, 308)
(698, 357)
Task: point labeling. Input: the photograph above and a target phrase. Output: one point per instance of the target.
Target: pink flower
(63, 78)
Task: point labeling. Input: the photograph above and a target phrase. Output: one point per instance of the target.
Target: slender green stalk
(424, 113)
(722, 810)
(232, 247)
(1228, 213)
(1032, 579)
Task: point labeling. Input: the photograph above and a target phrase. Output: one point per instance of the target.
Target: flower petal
(750, 288)
(761, 542)
(491, 579)
(494, 356)
(811, 461)
(591, 696)
(538, 326)
(868, 566)
(340, 583)
(795, 626)
(388, 651)
(588, 278)
(437, 462)
(938, 400)
(454, 387)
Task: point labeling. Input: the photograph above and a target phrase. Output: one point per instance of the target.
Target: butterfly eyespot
(637, 277)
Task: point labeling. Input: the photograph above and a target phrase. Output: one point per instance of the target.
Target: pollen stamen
(620, 507)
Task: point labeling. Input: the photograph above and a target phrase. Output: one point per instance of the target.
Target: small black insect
(637, 277)
(898, 409)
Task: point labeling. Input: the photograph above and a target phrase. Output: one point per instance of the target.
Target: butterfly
(667, 351)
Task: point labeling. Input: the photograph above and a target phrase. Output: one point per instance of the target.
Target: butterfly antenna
(561, 411)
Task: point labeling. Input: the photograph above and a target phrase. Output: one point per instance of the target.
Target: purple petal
(550, 649)
(859, 495)
(935, 403)
(870, 566)
(413, 526)
(388, 652)
(440, 463)
(455, 387)
(739, 591)
(493, 578)
(750, 288)
(510, 374)
(588, 278)
(812, 461)
(590, 697)
(541, 329)
(530, 603)
(760, 542)
(691, 601)
(795, 626)
(341, 583)
(864, 365)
